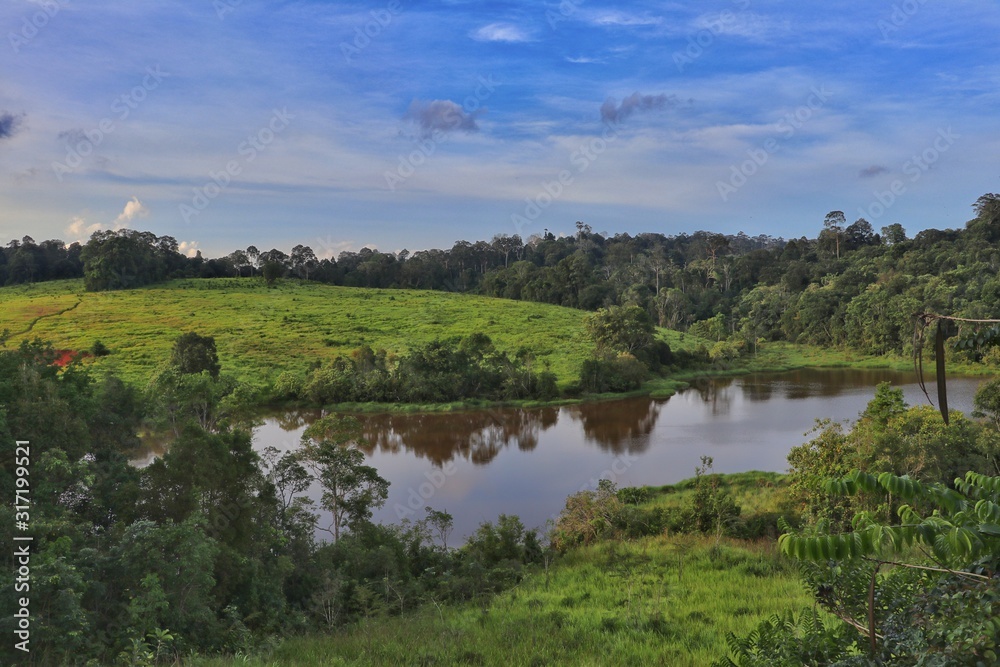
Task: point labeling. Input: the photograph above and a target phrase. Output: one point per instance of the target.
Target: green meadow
(660, 600)
(263, 331)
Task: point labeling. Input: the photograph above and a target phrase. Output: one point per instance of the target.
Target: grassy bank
(660, 600)
(654, 601)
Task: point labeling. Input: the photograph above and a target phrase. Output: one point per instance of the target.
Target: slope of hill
(261, 332)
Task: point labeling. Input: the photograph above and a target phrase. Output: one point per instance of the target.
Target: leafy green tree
(193, 353)
(833, 228)
(933, 605)
(987, 402)
(893, 234)
(272, 271)
(620, 329)
(351, 489)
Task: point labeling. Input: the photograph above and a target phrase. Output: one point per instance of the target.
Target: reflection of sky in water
(473, 465)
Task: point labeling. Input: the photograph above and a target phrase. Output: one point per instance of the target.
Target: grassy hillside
(261, 332)
(653, 601)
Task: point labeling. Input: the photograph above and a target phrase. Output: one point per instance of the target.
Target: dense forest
(849, 286)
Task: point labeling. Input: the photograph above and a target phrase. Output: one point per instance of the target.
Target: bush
(99, 349)
(616, 374)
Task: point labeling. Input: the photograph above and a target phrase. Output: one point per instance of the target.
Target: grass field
(261, 332)
(654, 601)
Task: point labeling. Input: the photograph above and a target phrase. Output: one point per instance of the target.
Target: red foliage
(65, 357)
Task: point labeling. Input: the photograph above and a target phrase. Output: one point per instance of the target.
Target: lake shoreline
(774, 358)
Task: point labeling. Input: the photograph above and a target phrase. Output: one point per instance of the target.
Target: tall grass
(655, 601)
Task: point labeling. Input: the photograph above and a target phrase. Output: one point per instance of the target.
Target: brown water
(479, 464)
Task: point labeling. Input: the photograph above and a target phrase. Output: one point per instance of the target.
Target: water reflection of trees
(717, 393)
(439, 437)
(618, 426)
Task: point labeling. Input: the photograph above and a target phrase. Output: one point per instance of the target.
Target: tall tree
(351, 489)
(833, 225)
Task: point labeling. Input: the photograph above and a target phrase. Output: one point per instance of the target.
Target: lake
(479, 464)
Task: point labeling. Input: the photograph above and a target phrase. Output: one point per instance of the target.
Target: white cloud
(501, 32)
(79, 228)
(188, 248)
(133, 208)
(618, 18)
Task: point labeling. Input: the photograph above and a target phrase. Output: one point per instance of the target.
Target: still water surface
(479, 464)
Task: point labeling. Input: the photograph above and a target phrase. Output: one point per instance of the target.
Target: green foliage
(888, 437)
(987, 402)
(125, 259)
(271, 272)
(193, 353)
(934, 603)
(587, 517)
(712, 509)
(351, 489)
(612, 374)
(620, 330)
(789, 641)
(261, 333)
(439, 372)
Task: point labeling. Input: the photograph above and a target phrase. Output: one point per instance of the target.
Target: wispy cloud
(616, 18)
(441, 116)
(501, 32)
(748, 25)
(615, 113)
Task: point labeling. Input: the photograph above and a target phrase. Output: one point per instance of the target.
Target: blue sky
(399, 124)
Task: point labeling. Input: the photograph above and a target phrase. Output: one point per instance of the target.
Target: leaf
(939, 358)
(989, 529)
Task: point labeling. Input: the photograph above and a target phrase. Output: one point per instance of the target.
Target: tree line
(848, 286)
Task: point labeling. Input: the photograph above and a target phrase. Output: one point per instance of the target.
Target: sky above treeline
(401, 124)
